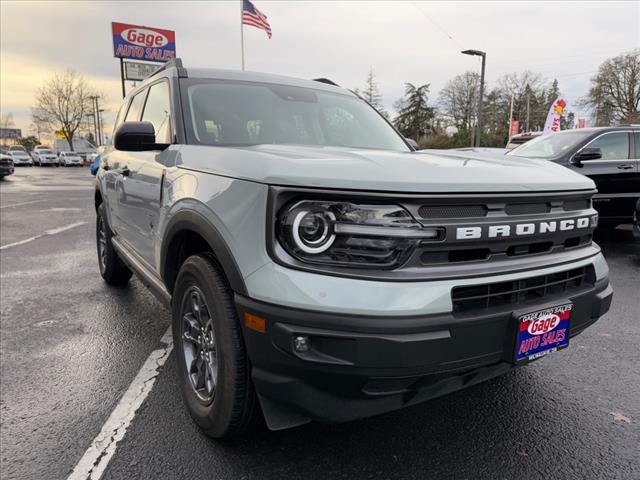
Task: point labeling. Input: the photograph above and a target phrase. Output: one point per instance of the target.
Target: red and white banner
(514, 128)
(556, 111)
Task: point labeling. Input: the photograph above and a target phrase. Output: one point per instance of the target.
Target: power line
(442, 30)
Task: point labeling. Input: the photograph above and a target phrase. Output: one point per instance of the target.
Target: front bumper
(6, 170)
(360, 366)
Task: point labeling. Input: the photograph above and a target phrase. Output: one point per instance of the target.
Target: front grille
(480, 298)
(5, 162)
(501, 207)
(453, 211)
(527, 208)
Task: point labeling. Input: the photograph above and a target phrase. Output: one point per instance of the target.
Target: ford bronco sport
(317, 267)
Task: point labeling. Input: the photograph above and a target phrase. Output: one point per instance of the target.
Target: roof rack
(174, 62)
(326, 80)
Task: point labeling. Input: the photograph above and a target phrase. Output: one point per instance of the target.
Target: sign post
(137, 42)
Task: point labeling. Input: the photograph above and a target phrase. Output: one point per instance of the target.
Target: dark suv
(610, 156)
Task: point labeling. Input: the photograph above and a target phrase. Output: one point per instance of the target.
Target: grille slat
(469, 299)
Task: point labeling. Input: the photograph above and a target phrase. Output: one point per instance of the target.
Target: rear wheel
(213, 366)
(113, 271)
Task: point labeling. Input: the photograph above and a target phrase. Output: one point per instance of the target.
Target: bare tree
(38, 127)
(458, 100)
(615, 90)
(6, 121)
(62, 103)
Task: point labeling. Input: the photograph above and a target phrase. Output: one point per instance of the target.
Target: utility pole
(96, 119)
(482, 54)
(100, 123)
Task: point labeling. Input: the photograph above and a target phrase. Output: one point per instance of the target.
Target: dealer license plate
(542, 332)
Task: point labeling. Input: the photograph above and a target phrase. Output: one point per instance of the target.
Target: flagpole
(242, 32)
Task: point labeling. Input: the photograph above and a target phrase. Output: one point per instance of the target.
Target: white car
(45, 156)
(70, 159)
(20, 156)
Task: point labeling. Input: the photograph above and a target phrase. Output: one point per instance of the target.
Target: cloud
(402, 41)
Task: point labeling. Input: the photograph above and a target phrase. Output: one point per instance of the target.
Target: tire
(113, 271)
(230, 407)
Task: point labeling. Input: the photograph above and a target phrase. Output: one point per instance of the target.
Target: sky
(417, 42)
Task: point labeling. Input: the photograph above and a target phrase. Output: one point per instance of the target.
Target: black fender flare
(191, 220)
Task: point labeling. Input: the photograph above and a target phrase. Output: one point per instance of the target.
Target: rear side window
(136, 107)
(157, 110)
(637, 136)
(614, 146)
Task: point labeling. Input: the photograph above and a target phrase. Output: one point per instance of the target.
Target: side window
(119, 117)
(157, 110)
(614, 146)
(133, 115)
(637, 137)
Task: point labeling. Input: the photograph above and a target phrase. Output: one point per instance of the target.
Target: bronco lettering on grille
(521, 229)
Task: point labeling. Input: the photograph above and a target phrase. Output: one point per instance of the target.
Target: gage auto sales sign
(143, 43)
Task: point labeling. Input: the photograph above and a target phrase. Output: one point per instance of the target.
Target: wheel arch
(193, 228)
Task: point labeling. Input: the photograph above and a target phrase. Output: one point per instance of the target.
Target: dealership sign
(137, 71)
(143, 43)
(10, 133)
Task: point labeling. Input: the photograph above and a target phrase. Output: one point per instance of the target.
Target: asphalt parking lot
(70, 346)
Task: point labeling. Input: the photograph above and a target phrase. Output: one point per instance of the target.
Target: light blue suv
(317, 266)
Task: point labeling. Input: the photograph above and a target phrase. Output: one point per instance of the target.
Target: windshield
(46, 152)
(549, 146)
(17, 149)
(241, 114)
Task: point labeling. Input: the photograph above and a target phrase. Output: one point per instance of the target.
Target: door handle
(624, 166)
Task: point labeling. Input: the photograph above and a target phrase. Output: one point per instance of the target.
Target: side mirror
(136, 137)
(412, 143)
(587, 153)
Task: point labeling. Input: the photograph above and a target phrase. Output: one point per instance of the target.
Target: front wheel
(113, 271)
(213, 366)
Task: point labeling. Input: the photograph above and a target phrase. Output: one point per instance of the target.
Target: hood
(358, 169)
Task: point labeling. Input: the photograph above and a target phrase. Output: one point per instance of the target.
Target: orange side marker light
(255, 323)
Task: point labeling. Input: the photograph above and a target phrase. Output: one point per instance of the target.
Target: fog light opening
(301, 343)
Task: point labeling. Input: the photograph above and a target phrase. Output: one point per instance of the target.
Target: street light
(478, 53)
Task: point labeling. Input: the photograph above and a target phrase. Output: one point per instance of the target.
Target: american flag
(254, 17)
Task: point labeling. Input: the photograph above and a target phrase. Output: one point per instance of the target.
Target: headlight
(350, 234)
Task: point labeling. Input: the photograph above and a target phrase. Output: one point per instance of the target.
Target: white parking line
(95, 460)
(20, 204)
(52, 231)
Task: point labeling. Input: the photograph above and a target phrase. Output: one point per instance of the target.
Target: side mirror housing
(412, 143)
(136, 137)
(587, 153)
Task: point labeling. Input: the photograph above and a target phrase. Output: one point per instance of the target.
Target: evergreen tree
(415, 116)
(371, 93)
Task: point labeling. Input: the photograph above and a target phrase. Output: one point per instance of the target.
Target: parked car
(494, 150)
(45, 156)
(319, 268)
(70, 159)
(6, 165)
(521, 138)
(19, 156)
(610, 156)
